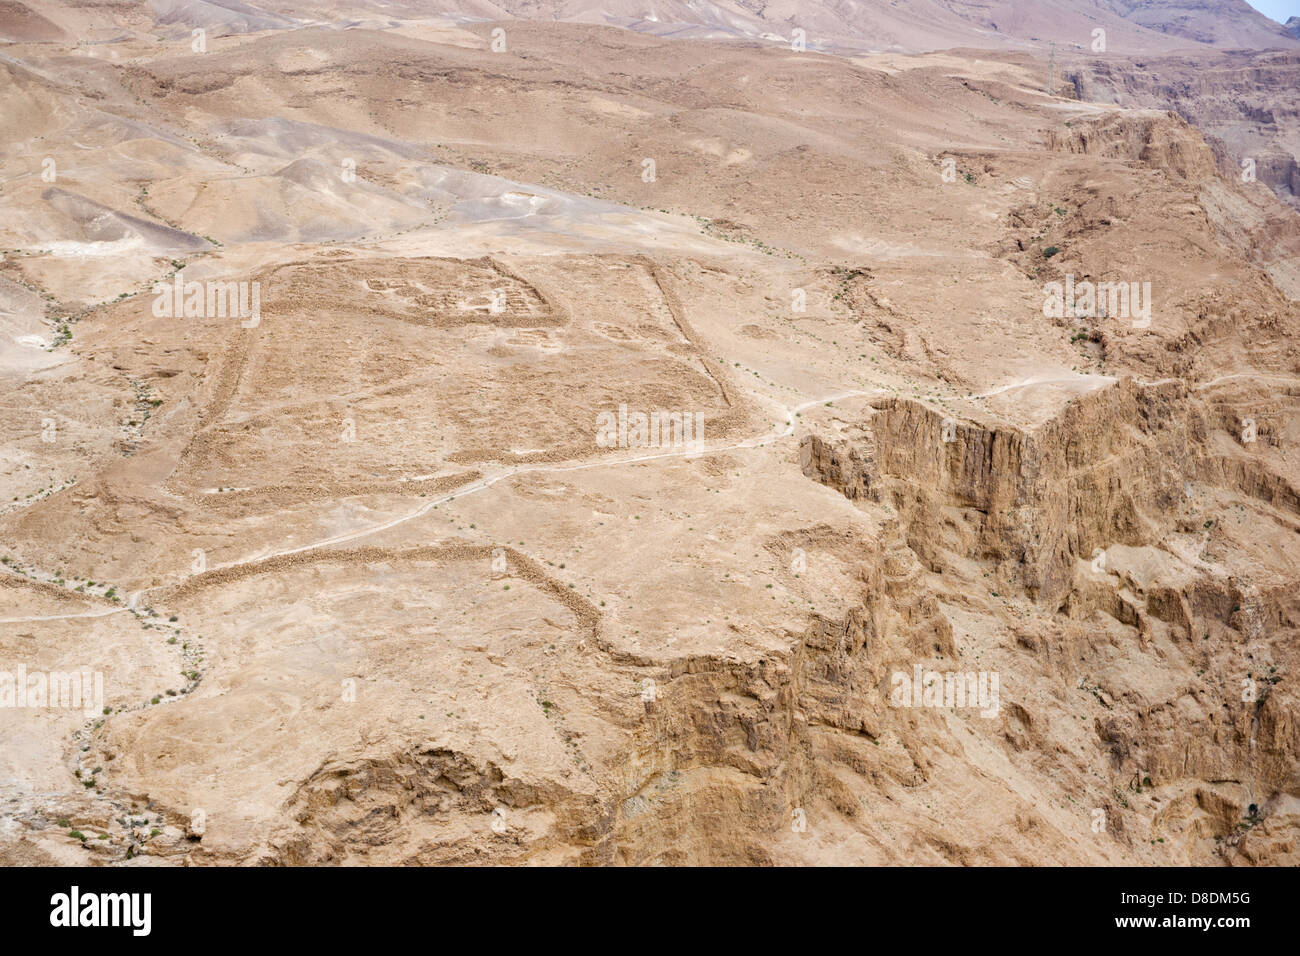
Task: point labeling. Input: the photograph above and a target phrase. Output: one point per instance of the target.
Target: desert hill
(377, 571)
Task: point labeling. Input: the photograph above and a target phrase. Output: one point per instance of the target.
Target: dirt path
(233, 369)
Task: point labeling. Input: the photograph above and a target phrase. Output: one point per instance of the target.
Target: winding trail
(757, 441)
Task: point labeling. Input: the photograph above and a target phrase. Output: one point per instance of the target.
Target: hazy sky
(1279, 10)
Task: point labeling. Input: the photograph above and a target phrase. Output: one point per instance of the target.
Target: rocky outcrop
(1089, 517)
(1110, 469)
(1244, 103)
(1156, 140)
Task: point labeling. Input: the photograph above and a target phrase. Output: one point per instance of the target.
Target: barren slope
(366, 584)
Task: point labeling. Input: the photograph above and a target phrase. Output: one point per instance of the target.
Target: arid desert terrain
(649, 432)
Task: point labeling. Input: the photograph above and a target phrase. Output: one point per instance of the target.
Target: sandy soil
(365, 582)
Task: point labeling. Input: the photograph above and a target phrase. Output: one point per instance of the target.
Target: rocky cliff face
(953, 578)
(1110, 518)
(1243, 102)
